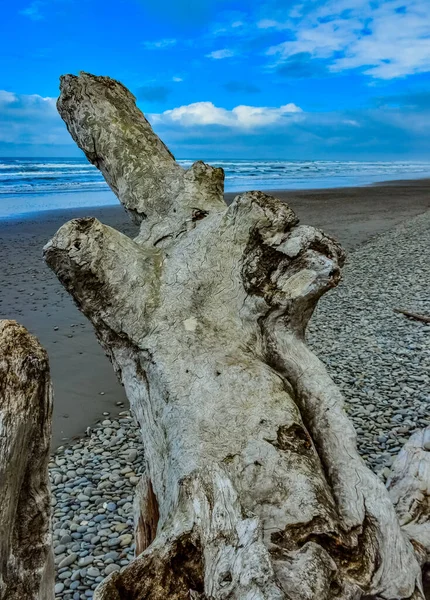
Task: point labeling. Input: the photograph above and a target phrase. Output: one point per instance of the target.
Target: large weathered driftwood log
(254, 488)
(26, 560)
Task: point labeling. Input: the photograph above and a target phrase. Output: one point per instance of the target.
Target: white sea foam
(31, 177)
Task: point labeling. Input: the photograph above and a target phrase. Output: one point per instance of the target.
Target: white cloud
(387, 39)
(30, 120)
(220, 54)
(242, 117)
(6, 97)
(160, 44)
(381, 133)
(177, 79)
(33, 11)
(271, 24)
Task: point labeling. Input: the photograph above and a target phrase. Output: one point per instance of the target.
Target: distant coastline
(29, 186)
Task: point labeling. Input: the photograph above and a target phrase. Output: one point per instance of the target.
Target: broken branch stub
(103, 119)
(26, 559)
(254, 486)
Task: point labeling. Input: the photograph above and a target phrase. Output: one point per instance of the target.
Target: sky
(336, 79)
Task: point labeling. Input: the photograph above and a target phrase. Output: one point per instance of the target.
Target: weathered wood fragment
(412, 315)
(26, 559)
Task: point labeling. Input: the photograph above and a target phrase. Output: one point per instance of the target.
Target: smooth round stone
(69, 560)
(131, 456)
(65, 575)
(99, 518)
(111, 506)
(66, 539)
(126, 539)
(93, 572)
(112, 568)
(60, 549)
(85, 561)
(59, 587)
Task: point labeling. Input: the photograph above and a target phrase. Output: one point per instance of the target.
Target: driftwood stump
(254, 488)
(26, 559)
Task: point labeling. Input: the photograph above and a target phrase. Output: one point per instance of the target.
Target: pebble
(69, 560)
(85, 561)
(112, 568)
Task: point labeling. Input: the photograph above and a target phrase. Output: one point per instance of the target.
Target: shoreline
(85, 386)
(51, 212)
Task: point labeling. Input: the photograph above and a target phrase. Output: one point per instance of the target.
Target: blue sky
(346, 79)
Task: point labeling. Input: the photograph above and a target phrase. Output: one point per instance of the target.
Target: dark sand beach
(84, 383)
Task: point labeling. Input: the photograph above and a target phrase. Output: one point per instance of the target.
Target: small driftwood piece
(254, 489)
(26, 559)
(409, 487)
(412, 315)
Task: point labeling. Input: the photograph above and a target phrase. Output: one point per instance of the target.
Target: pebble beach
(379, 358)
(93, 484)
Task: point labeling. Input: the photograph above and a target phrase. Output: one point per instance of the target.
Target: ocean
(30, 185)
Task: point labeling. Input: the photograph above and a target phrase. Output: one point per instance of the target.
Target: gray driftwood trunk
(26, 559)
(254, 488)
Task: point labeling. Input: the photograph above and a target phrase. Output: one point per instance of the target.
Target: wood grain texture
(409, 487)
(26, 559)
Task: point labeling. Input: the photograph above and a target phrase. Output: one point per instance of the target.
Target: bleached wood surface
(260, 492)
(26, 559)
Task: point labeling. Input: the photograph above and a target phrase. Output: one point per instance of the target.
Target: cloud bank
(30, 124)
(395, 126)
(385, 39)
(240, 117)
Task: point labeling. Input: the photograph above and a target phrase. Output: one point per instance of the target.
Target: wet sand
(84, 383)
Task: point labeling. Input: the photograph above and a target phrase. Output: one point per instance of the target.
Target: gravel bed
(93, 486)
(381, 359)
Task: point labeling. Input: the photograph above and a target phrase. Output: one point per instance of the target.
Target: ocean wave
(33, 176)
(39, 165)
